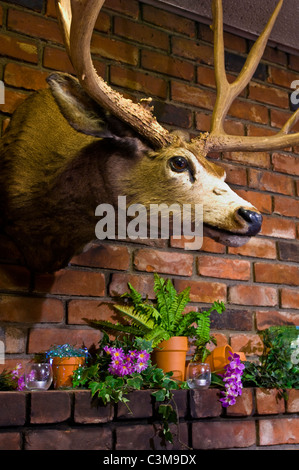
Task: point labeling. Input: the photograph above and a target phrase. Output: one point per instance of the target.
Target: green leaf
(135, 382)
(159, 395)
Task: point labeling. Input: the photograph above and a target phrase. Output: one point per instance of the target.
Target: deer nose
(253, 219)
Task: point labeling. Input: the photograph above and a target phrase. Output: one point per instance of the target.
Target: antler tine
(78, 18)
(226, 93)
(65, 19)
(218, 140)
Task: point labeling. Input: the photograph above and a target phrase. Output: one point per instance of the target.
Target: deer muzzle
(253, 220)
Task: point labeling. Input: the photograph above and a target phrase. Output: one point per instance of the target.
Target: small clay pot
(170, 356)
(63, 369)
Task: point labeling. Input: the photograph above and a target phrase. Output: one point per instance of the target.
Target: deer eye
(178, 164)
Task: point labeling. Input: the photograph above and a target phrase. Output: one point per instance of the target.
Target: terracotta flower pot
(63, 369)
(170, 356)
(219, 358)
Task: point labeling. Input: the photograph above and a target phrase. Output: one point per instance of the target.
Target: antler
(226, 93)
(77, 18)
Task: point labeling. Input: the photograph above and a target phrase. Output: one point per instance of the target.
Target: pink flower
(140, 366)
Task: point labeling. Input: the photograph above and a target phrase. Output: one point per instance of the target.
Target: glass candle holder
(198, 375)
(38, 376)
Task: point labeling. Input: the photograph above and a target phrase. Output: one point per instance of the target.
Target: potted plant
(165, 323)
(123, 365)
(65, 359)
(278, 366)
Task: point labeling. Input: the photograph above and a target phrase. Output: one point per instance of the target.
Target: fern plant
(160, 320)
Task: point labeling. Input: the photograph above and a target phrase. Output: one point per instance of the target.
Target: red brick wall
(64, 420)
(146, 51)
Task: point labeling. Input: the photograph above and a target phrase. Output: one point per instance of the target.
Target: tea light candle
(37, 384)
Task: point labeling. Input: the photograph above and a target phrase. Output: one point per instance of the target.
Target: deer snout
(253, 220)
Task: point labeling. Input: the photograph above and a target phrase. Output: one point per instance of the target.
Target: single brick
(244, 405)
(91, 309)
(22, 76)
(169, 21)
(269, 402)
(142, 33)
(292, 404)
(267, 318)
(205, 403)
(139, 81)
(259, 159)
(33, 25)
(278, 431)
(162, 63)
(224, 268)
(104, 256)
(72, 282)
(269, 181)
(140, 405)
(10, 440)
(113, 49)
(286, 206)
(285, 164)
(277, 273)
(12, 409)
(257, 248)
(201, 291)
(89, 410)
(17, 48)
(30, 309)
(253, 295)
(248, 343)
(193, 96)
(289, 298)
(52, 406)
(83, 438)
(119, 284)
(223, 435)
(163, 262)
(278, 227)
(269, 95)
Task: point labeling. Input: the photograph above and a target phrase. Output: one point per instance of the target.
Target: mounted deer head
(79, 144)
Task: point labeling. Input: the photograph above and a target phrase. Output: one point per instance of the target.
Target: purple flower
(125, 364)
(140, 366)
(232, 379)
(143, 356)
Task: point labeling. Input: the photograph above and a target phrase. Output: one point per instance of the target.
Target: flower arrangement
(163, 318)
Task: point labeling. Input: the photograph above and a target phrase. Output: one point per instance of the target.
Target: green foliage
(109, 388)
(8, 380)
(278, 367)
(164, 318)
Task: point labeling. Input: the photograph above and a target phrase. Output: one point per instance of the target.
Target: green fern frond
(166, 296)
(203, 327)
(110, 327)
(156, 336)
(134, 295)
(182, 300)
(139, 319)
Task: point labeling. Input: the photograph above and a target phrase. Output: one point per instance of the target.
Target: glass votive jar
(198, 375)
(38, 376)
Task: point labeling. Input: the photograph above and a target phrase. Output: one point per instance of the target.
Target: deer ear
(82, 113)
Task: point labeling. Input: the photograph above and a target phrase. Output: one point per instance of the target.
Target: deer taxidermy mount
(79, 143)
